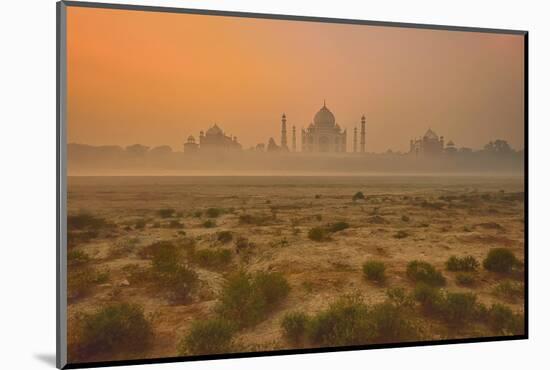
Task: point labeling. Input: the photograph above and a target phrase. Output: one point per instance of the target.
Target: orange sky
(155, 78)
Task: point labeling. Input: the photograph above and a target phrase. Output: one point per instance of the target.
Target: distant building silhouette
(190, 146)
(355, 139)
(213, 140)
(431, 145)
(284, 145)
(324, 134)
(293, 138)
(363, 134)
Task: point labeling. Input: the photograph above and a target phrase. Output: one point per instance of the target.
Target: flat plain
(312, 235)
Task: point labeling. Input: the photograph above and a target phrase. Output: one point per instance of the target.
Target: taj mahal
(322, 135)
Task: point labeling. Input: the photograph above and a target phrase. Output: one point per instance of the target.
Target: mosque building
(213, 140)
(324, 135)
(431, 145)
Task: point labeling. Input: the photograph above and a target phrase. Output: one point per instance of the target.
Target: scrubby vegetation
(453, 308)
(375, 271)
(337, 226)
(208, 337)
(466, 279)
(246, 299)
(77, 258)
(86, 221)
(175, 224)
(504, 321)
(423, 272)
(510, 291)
(214, 212)
(343, 323)
(358, 196)
(294, 327)
(318, 234)
(468, 263)
(501, 260)
(166, 212)
(169, 272)
(401, 234)
(224, 236)
(255, 219)
(349, 321)
(212, 258)
(209, 224)
(117, 328)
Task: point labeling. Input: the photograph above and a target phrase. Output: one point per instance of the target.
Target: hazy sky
(156, 78)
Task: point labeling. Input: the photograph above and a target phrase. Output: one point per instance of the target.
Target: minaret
(293, 138)
(355, 139)
(363, 134)
(283, 132)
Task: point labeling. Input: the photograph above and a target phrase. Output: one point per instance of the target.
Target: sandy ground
(446, 216)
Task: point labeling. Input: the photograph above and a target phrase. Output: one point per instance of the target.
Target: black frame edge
(227, 13)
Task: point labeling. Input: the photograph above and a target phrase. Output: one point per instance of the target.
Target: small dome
(190, 139)
(324, 117)
(450, 143)
(214, 130)
(430, 135)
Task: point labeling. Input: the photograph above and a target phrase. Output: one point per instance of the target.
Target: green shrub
(500, 260)
(136, 274)
(465, 279)
(175, 224)
(318, 234)
(388, 323)
(294, 327)
(246, 299)
(454, 309)
(337, 226)
(180, 282)
(205, 337)
(399, 298)
(77, 258)
(357, 196)
(510, 291)
(165, 257)
(375, 271)
(213, 258)
(343, 323)
(140, 224)
(123, 247)
(116, 328)
(458, 308)
(225, 236)
(272, 285)
(423, 272)
(86, 221)
(80, 283)
(166, 212)
(209, 224)
(468, 263)
(429, 297)
(214, 212)
(504, 321)
(258, 219)
(401, 234)
(242, 243)
(197, 214)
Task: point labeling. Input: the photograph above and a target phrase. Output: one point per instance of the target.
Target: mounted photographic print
(237, 184)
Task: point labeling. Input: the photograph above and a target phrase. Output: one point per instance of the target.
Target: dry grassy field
(168, 266)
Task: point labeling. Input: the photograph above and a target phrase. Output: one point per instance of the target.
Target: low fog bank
(83, 160)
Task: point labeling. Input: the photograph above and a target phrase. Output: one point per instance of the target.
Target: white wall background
(27, 203)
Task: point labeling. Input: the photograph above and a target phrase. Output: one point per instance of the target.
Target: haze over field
(155, 78)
